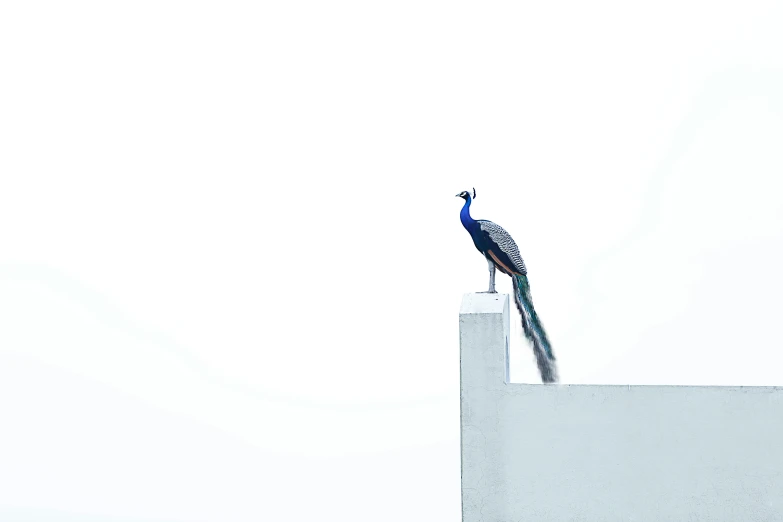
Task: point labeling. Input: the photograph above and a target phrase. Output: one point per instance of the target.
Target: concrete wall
(609, 453)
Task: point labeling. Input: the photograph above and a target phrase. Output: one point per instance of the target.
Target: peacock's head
(466, 195)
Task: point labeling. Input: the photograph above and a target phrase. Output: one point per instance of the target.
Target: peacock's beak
(457, 195)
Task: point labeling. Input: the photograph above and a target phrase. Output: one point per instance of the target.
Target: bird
(501, 252)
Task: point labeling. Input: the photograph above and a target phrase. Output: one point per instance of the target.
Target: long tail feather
(534, 330)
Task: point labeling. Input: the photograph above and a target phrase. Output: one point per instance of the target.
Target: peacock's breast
(479, 240)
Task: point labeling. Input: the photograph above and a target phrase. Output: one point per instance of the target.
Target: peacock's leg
(491, 276)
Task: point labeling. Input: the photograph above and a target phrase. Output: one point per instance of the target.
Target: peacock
(502, 252)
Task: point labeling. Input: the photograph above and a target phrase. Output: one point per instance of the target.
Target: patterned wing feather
(503, 240)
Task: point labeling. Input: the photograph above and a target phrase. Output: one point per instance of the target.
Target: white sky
(231, 261)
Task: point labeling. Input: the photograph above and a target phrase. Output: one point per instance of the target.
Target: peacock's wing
(501, 244)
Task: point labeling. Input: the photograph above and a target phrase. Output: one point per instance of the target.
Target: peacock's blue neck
(468, 222)
(472, 226)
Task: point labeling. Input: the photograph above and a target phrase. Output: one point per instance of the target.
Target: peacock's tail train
(534, 330)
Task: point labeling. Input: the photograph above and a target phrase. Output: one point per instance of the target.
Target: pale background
(230, 255)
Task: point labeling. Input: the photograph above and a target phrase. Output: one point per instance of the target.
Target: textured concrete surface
(609, 453)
